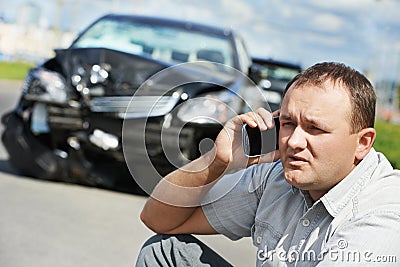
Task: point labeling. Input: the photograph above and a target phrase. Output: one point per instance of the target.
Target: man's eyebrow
(310, 120)
(317, 122)
(284, 117)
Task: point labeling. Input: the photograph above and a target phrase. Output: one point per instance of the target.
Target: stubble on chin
(296, 178)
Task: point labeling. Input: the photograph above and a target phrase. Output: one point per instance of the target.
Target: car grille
(134, 107)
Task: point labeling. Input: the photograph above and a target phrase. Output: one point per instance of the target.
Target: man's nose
(297, 139)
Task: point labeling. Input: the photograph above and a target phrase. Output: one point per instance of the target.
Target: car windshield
(278, 72)
(169, 44)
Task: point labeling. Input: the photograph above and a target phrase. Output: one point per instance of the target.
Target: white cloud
(353, 6)
(327, 22)
(237, 11)
(326, 40)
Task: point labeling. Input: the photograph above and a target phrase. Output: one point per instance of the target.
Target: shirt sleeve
(230, 206)
(372, 240)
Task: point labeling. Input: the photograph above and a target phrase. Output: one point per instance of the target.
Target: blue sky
(362, 33)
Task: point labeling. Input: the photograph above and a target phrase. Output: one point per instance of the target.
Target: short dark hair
(361, 92)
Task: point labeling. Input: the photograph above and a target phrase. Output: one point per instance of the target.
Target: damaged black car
(130, 100)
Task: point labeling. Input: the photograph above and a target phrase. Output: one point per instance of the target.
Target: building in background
(29, 38)
(30, 43)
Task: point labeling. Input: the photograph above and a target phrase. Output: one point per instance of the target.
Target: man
(327, 199)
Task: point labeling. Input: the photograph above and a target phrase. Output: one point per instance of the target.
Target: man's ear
(366, 138)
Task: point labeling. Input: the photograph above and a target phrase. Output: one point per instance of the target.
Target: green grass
(14, 70)
(388, 141)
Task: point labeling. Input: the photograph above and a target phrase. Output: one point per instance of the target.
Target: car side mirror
(255, 73)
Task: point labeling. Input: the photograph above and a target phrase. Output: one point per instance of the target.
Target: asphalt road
(55, 224)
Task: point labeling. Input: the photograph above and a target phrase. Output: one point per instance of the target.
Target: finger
(250, 118)
(266, 117)
(260, 118)
(276, 113)
(239, 120)
(261, 121)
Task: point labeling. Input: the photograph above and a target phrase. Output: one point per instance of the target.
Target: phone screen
(257, 143)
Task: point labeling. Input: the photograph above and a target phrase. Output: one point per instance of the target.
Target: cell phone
(258, 143)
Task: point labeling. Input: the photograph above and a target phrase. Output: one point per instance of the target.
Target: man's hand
(228, 145)
(174, 205)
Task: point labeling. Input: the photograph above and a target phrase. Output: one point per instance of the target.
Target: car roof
(271, 61)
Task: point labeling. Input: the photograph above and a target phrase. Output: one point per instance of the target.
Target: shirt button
(306, 222)
(258, 239)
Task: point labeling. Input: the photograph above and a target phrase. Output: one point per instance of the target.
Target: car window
(243, 55)
(278, 72)
(169, 44)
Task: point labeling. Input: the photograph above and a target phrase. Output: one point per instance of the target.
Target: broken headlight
(45, 85)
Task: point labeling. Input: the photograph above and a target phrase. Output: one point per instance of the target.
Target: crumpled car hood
(127, 72)
(113, 77)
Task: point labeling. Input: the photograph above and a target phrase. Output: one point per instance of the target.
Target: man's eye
(288, 124)
(314, 128)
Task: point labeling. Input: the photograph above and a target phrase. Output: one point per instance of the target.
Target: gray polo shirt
(356, 223)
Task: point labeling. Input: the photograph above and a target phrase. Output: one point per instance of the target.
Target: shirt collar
(306, 195)
(307, 198)
(340, 195)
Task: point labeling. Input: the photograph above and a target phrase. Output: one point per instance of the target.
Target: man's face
(316, 147)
